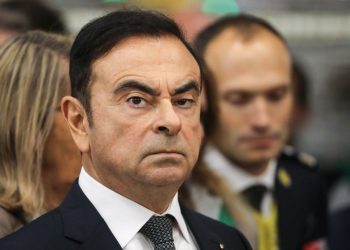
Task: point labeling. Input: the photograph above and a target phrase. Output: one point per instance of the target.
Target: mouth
(166, 158)
(166, 152)
(261, 141)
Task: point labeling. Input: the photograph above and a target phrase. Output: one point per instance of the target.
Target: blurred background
(318, 32)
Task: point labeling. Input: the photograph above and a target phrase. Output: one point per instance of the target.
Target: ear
(77, 119)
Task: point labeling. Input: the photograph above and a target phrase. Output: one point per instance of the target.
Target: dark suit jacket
(302, 205)
(339, 229)
(76, 224)
(9, 222)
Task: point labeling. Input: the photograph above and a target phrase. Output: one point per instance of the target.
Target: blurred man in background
(250, 66)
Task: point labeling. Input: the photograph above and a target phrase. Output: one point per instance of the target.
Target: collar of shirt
(237, 178)
(119, 211)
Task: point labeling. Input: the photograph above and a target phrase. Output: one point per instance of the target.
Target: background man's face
(145, 108)
(254, 94)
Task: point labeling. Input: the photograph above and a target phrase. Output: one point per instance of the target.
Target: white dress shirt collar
(237, 178)
(124, 217)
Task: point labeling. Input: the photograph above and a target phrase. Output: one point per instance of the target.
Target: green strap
(226, 218)
(220, 7)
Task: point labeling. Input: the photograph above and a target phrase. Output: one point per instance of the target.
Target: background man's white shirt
(237, 179)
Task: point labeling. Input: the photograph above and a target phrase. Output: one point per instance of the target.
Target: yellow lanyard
(267, 230)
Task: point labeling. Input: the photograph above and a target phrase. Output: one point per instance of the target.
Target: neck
(54, 192)
(57, 179)
(254, 168)
(154, 198)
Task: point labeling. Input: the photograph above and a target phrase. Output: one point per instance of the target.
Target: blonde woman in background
(38, 158)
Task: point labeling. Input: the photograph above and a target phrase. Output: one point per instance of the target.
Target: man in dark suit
(246, 176)
(134, 113)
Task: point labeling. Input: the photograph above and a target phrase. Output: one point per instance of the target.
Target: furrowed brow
(187, 87)
(135, 85)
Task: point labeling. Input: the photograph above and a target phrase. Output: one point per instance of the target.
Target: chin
(262, 158)
(168, 177)
(255, 157)
(269, 152)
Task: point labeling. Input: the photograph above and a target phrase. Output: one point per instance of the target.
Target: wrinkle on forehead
(150, 59)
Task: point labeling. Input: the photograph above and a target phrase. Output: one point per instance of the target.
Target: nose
(167, 121)
(260, 116)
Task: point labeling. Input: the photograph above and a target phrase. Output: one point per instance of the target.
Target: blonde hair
(32, 81)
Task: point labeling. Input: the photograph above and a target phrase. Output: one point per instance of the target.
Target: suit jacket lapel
(101, 239)
(205, 239)
(83, 224)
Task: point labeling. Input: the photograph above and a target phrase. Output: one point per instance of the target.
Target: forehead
(153, 58)
(258, 63)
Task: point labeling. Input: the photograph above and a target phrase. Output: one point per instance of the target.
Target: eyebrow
(132, 84)
(192, 85)
(252, 92)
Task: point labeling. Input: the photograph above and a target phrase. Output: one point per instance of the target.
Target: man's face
(254, 94)
(145, 109)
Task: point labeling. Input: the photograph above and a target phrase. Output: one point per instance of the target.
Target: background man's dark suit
(301, 199)
(76, 224)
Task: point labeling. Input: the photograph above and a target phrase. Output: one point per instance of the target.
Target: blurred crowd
(250, 173)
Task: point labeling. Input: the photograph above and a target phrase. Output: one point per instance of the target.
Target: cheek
(122, 136)
(193, 132)
(114, 135)
(284, 112)
(196, 131)
(232, 121)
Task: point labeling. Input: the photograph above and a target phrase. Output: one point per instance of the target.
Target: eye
(136, 101)
(184, 103)
(277, 94)
(238, 99)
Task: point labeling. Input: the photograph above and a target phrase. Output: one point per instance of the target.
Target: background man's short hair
(245, 24)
